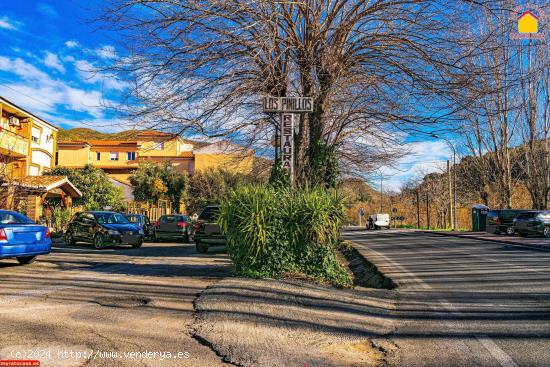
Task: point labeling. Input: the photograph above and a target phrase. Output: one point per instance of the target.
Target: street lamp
(450, 144)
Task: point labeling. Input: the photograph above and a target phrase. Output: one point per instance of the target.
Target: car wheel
(69, 239)
(26, 260)
(137, 245)
(202, 248)
(510, 231)
(546, 231)
(98, 241)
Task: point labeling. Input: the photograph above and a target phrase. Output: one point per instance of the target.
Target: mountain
(83, 133)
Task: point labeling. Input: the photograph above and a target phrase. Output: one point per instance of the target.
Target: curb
(508, 242)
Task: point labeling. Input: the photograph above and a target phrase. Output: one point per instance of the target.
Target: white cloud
(106, 52)
(10, 24)
(71, 44)
(424, 157)
(47, 10)
(51, 60)
(43, 95)
(88, 73)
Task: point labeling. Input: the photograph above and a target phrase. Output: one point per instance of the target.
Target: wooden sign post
(288, 109)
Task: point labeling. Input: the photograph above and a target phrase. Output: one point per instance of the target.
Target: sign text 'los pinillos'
(287, 107)
(288, 104)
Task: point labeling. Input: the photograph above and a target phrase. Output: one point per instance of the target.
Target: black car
(172, 227)
(533, 223)
(102, 229)
(502, 221)
(143, 224)
(207, 230)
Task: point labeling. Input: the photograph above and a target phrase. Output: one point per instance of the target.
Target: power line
(24, 94)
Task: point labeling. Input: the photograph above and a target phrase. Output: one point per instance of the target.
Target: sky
(47, 64)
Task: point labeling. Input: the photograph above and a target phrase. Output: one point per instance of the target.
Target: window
(97, 156)
(114, 156)
(159, 146)
(131, 156)
(36, 135)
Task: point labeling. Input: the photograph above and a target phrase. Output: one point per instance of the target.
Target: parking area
(118, 306)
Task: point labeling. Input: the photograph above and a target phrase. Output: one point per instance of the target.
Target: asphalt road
(463, 302)
(111, 307)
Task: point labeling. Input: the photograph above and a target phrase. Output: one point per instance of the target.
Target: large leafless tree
(377, 70)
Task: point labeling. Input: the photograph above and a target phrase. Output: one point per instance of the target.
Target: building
(120, 158)
(27, 142)
(223, 154)
(117, 158)
(27, 149)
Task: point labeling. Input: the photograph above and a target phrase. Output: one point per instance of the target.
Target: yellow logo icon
(528, 23)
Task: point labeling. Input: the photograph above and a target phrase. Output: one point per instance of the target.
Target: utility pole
(428, 209)
(454, 188)
(451, 214)
(381, 198)
(417, 208)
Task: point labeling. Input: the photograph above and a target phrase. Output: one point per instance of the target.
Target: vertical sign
(288, 108)
(287, 142)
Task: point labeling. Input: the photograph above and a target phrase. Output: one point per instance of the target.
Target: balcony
(13, 145)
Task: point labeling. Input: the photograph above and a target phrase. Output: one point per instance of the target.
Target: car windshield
(133, 218)
(111, 218)
(14, 218)
(210, 213)
(172, 218)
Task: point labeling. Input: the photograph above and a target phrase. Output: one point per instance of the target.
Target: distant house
(528, 23)
(120, 158)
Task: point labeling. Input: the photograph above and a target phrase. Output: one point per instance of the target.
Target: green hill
(83, 133)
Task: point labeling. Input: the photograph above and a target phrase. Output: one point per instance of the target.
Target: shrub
(272, 231)
(60, 218)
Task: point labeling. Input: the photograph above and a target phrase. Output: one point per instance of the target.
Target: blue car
(21, 238)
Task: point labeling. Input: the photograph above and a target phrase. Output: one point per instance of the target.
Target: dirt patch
(360, 354)
(365, 273)
(123, 302)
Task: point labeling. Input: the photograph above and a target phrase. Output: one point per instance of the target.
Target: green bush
(60, 218)
(272, 231)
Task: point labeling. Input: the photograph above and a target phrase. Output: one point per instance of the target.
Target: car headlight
(114, 232)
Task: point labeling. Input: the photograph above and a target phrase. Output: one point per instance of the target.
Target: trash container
(479, 218)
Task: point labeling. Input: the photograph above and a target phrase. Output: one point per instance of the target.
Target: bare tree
(377, 70)
(534, 98)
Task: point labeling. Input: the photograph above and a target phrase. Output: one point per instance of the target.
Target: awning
(50, 183)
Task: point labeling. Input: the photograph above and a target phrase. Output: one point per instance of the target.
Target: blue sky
(47, 60)
(49, 52)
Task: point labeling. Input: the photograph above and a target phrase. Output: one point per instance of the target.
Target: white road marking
(504, 359)
(498, 354)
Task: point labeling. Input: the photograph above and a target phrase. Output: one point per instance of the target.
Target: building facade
(27, 142)
(27, 149)
(120, 158)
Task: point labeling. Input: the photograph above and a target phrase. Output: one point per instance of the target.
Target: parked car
(381, 220)
(102, 228)
(502, 221)
(207, 231)
(533, 223)
(172, 227)
(143, 224)
(22, 238)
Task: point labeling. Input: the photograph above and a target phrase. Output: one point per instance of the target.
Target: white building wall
(42, 148)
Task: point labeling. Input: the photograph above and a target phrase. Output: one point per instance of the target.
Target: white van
(381, 220)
